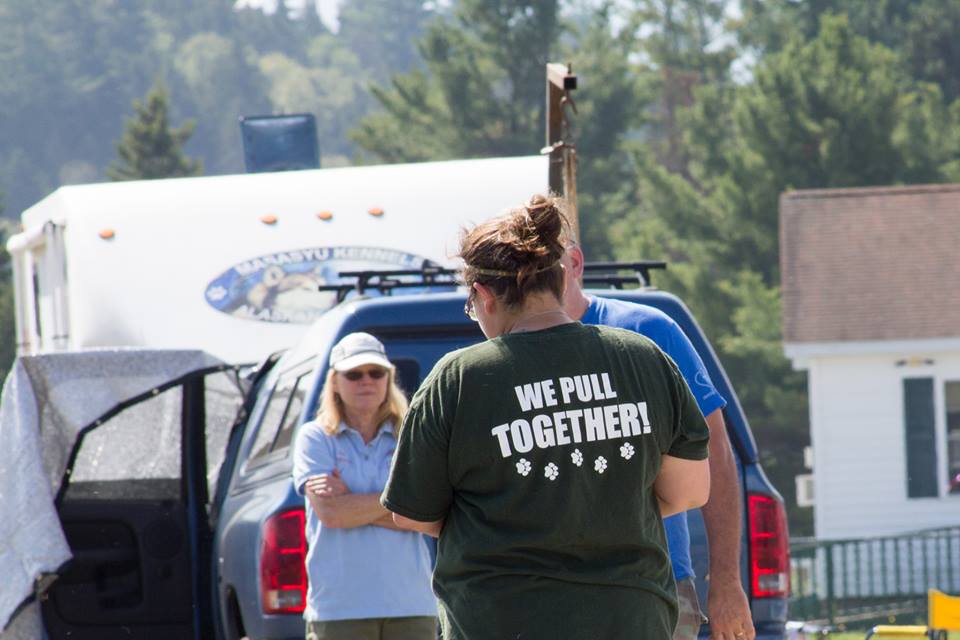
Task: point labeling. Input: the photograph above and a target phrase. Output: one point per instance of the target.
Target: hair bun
(548, 222)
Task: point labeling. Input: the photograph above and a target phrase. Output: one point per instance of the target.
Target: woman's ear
(485, 297)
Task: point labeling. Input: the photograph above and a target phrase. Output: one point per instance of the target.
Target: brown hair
(518, 253)
(331, 413)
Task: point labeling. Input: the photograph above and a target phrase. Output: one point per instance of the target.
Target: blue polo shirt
(368, 571)
(668, 335)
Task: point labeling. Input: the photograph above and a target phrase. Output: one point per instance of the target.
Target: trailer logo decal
(283, 287)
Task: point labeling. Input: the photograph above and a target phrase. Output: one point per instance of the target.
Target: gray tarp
(47, 400)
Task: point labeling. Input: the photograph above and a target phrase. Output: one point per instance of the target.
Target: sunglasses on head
(355, 374)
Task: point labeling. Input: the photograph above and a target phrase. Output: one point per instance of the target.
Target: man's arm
(727, 605)
(408, 524)
(386, 521)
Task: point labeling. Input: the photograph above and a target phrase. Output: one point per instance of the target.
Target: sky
(326, 9)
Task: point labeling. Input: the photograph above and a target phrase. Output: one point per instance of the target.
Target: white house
(871, 310)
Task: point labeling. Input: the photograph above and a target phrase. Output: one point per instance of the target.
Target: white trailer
(232, 264)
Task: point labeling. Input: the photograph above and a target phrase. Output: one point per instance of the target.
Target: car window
(224, 398)
(272, 416)
(416, 352)
(292, 418)
(281, 413)
(135, 454)
(408, 374)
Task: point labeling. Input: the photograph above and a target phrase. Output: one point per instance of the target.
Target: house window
(923, 438)
(921, 434)
(951, 400)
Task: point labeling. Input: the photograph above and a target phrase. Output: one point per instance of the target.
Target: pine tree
(383, 35)
(150, 147)
(832, 111)
(481, 93)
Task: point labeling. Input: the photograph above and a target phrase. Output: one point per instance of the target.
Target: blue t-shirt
(668, 335)
(368, 571)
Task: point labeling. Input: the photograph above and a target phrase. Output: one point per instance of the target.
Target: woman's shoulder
(466, 357)
(453, 366)
(314, 432)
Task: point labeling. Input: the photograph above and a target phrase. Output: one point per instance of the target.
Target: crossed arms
(338, 508)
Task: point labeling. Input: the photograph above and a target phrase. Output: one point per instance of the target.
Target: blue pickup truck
(198, 533)
(258, 543)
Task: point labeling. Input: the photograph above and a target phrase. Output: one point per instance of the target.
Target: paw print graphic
(216, 293)
(551, 471)
(577, 457)
(524, 466)
(627, 451)
(600, 464)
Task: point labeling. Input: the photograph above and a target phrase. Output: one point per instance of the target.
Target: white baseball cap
(357, 349)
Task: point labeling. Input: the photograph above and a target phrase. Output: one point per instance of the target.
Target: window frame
(300, 374)
(940, 380)
(943, 434)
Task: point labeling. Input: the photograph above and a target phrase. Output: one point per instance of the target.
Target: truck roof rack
(608, 273)
(429, 275)
(433, 275)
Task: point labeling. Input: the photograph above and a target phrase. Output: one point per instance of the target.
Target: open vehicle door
(129, 443)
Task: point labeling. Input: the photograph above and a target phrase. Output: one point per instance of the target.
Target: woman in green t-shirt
(545, 458)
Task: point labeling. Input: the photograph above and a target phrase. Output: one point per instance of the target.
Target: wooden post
(563, 159)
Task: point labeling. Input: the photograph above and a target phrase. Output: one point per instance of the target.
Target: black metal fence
(842, 581)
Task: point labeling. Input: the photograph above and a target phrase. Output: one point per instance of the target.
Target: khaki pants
(412, 628)
(690, 618)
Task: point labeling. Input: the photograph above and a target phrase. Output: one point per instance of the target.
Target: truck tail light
(769, 547)
(283, 553)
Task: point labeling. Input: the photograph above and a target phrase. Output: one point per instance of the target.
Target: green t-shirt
(540, 449)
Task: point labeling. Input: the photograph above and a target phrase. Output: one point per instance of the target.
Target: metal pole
(856, 564)
(896, 566)
(950, 537)
(884, 590)
(830, 592)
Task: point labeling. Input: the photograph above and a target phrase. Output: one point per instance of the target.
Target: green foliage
(609, 104)
(676, 159)
(71, 67)
(382, 35)
(150, 147)
(834, 111)
(922, 32)
(480, 93)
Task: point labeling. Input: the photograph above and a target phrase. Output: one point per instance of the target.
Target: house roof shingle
(866, 264)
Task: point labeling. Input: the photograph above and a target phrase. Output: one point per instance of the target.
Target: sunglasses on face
(355, 374)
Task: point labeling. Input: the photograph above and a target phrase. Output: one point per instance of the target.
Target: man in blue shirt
(726, 603)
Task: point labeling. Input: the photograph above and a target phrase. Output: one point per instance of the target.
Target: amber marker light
(325, 215)
(268, 219)
(107, 234)
(375, 211)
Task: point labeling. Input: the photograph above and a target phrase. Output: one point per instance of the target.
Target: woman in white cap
(367, 578)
